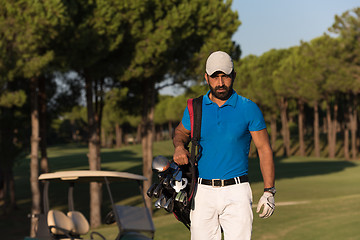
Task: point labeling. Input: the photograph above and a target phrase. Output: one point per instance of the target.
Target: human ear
(206, 78)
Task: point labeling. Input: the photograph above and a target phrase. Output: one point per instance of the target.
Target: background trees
(98, 67)
(180, 31)
(347, 27)
(107, 44)
(27, 31)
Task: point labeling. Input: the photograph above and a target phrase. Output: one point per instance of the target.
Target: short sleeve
(256, 118)
(186, 119)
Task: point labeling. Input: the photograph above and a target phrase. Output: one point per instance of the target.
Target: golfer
(229, 121)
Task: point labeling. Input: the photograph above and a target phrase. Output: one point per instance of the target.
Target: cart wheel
(110, 218)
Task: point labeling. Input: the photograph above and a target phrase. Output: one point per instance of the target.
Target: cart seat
(81, 224)
(59, 224)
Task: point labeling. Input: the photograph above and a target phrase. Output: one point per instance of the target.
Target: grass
(318, 198)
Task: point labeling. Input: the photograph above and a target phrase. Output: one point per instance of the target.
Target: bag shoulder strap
(195, 112)
(195, 109)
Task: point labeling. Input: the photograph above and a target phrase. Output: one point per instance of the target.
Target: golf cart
(134, 223)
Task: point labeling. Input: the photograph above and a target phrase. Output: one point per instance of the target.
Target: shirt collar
(230, 102)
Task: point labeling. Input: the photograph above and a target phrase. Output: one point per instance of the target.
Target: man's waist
(224, 182)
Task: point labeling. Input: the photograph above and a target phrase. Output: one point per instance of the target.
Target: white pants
(227, 208)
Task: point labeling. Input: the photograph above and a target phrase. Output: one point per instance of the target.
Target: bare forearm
(261, 140)
(180, 141)
(267, 167)
(181, 138)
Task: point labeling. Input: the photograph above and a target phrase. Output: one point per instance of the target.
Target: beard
(225, 95)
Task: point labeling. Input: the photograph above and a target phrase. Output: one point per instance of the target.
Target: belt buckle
(213, 182)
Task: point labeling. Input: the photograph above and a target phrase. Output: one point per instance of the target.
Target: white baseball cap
(219, 61)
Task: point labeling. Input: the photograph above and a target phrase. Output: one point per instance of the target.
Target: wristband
(272, 190)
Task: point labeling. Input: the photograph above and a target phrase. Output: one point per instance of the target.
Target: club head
(169, 205)
(158, 190)
(160, 203)
(183, 199)
(150, 191)
(178, 196)
(160, 163)
(163, 202)
(162, 175)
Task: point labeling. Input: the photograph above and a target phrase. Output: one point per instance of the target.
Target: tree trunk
(3, 187)
(334, 131)
(138, 134)
(74, 135)
(316, 130)
(44, 165)
(273, 132)
(285, 126)
(109, 139)
(126, 137)
(301, 128)
(7, 187)
(8, 150)
(34, 159)
(346, 142)
(331, 122)
(11, 184)
(325, 125)
(353, 126)
(94, 164)
(157, 134)
(147, 134)
(329, 127)
(119, 135)
(103, 137)
(99, 105)
(346, 128)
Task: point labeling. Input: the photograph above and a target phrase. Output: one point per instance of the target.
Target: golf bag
(176, 187)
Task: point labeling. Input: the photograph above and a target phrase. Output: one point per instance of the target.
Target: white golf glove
(268, 201)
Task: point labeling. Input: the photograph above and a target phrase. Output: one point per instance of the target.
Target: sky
(267, 24)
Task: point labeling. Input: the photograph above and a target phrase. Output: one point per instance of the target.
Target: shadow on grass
(128, 160)
(294, 169)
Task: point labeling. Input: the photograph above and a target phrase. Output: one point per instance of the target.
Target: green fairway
(317, 198)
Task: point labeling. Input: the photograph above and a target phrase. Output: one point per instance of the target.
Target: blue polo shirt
(225, 136)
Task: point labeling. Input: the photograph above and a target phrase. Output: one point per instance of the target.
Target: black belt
(222, 183)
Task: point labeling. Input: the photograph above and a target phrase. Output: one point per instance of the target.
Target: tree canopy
(121, 52)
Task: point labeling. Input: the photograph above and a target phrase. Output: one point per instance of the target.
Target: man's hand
(268, 201)
(181, 155)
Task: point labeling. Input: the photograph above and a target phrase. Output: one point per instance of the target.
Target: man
(223, 197)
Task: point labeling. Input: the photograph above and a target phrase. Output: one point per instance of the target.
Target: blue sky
(268, 24)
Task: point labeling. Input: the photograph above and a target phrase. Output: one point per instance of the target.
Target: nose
(220, 81)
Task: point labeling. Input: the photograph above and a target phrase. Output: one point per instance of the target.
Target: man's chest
(224, 124)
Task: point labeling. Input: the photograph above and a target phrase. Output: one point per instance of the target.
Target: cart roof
(90, 176)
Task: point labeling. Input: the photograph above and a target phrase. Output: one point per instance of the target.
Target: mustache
(221, 87)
